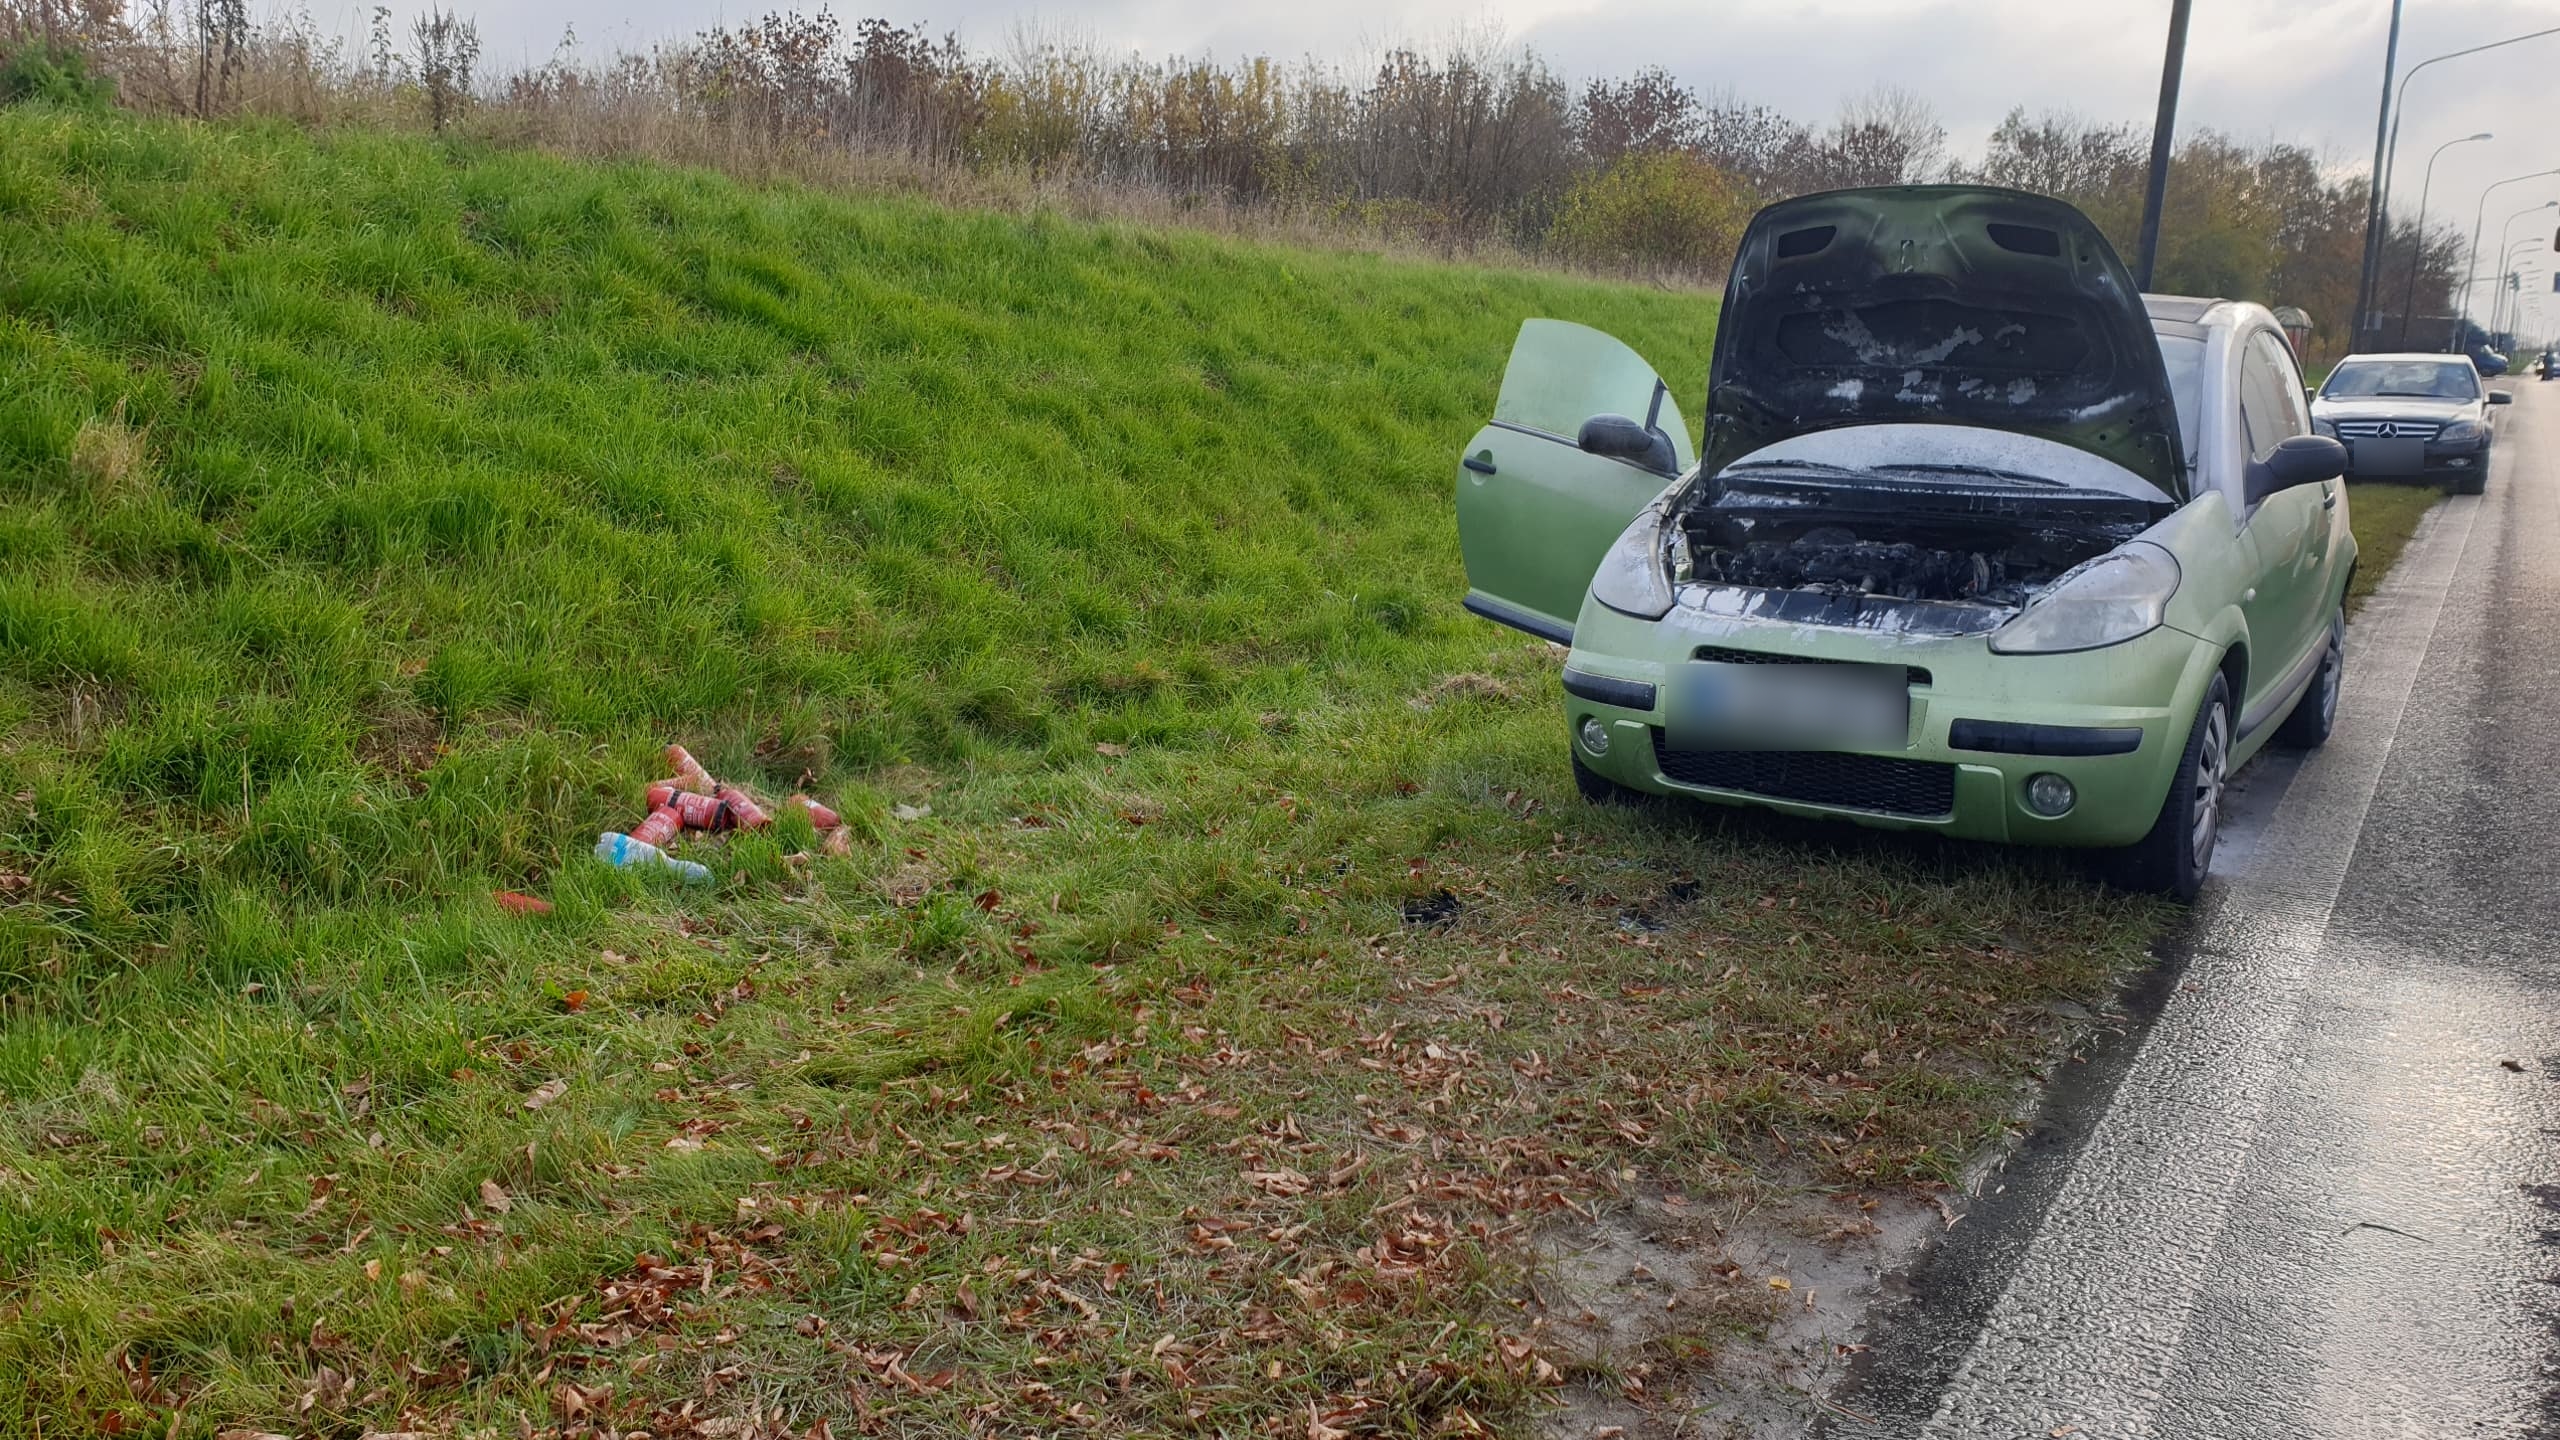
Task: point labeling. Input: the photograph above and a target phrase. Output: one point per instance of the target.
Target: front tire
(2175, 857)
(2316, 713)
(2477, 482)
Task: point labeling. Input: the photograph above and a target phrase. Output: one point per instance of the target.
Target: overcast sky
(2308, 71)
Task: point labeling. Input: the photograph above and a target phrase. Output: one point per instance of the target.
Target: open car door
(1536, 510)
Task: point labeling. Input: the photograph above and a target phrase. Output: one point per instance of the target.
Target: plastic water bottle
(615, 848)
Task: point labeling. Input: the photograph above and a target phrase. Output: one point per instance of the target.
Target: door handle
(1479, 464)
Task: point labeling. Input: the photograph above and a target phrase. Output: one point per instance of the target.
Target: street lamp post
(2507, 258)
(2386, 148)
(2418, 242)
(2164, 128)
(2463, 310)
(2373, 187)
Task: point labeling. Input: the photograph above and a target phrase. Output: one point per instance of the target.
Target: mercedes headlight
(1634, 577)
(2323, 427)
(2462, 432)
(2107, 601)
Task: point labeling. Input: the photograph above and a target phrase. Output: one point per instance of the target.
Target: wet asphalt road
(2300, 1194)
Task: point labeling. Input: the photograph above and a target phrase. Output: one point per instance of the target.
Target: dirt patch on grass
(1727, 1319)
(1467, 685)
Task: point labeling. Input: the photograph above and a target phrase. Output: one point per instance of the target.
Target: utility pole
(2164, 128)
(2373, 188)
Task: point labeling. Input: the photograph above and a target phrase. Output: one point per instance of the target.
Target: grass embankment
(2383, 517)
(1242, 991)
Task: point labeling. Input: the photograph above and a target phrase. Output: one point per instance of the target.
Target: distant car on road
(2418, 416)
(2488, 362)
(1982, 541)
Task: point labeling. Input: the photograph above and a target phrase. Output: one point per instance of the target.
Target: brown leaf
(1279, 1182)
(494, 1195)
(1107, 748)
(574, 1001)
(546, 1092)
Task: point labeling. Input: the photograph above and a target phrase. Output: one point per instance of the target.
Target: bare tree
(1647, 111)
(222, 39)
(447, 47)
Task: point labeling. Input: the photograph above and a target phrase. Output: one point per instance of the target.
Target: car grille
(1923, 789)
(1727, 655)
(2387, 429)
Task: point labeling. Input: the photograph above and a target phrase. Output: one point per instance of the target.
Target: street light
(2462, 311)
(2164, 127)
(2418, 241)
(2507, 258)
(2377, 218)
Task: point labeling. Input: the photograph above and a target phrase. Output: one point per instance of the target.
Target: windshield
(2411, 379)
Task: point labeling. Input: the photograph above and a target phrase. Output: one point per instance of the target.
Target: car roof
(2184, 309)
(2442, 356)
(2184, 316)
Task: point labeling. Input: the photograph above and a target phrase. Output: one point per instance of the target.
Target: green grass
(2383, 516)
(374, 511)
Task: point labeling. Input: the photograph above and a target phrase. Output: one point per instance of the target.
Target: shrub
(1666, 209)
(56, 74)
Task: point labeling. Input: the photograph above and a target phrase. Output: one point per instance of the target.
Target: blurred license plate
(1792, 707)
(2390, 457)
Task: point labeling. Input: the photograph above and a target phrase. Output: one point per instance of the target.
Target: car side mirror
(1620, 438)
(2502, 397)
(2299, 460)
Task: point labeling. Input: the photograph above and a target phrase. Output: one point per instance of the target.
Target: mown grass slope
(1238, 997)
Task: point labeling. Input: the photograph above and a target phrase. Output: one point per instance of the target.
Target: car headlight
(2107, 601)
(1634, 577)
(2461, 432)
(2323, 427)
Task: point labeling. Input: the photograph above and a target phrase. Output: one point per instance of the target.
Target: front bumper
(2112, 722)
(2442, 463)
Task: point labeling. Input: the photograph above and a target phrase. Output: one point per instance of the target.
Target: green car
(1984, 541)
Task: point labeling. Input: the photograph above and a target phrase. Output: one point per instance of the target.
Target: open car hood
(1951, 304)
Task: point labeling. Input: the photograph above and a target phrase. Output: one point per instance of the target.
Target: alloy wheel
(2212, 760)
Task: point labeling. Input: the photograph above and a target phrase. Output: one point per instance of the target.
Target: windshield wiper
(1917, 467)
(1813, 465)
(1927, 468)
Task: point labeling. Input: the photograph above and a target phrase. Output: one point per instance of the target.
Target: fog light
(1595, 736)
(2050, 795)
